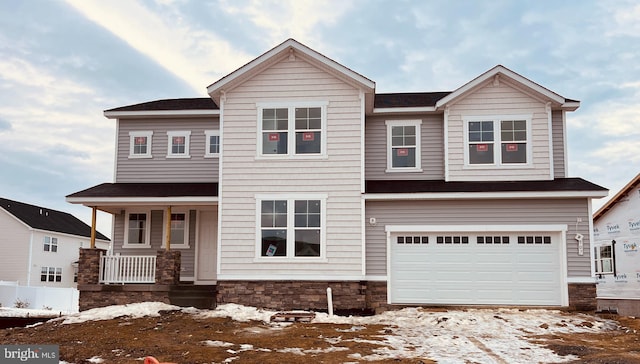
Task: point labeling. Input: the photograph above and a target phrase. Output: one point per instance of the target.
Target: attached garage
(476, 265)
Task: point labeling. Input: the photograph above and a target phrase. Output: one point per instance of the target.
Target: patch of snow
(28, 312)
(217, 343)
(239, 313)
(95, 359)
(133, 310)
(296, 351)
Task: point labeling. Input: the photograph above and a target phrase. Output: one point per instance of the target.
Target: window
(604, 258)
(140, 144)
(403, 145)
(292, 131)
(50, 274)
(291, 227)
(137, 230)
(179, 229)
(178, 146)
(50, 244)
(212, 143)
(498, 141)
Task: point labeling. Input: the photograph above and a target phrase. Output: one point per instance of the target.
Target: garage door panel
(490, 268)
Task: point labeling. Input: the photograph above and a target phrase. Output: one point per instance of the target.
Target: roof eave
(616, 198)
(143, 201)
(483, 195)
(404, 110)
(159, 113)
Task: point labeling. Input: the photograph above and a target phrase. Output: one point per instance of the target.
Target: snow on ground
(492, 335)
(28, 312)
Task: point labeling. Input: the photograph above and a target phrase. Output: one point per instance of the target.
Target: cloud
(194, 54)
(4, 125)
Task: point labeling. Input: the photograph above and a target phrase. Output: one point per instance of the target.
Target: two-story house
(294, 176)
(39, 246)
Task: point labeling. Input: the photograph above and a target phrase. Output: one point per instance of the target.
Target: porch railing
(127, 269)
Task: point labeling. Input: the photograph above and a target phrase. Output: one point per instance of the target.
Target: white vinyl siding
(493, 101)
(14, 248)
(338, 174)
(479, 212)
(159, 168)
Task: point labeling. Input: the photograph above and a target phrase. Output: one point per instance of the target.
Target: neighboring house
(40, 246)
(616, 252)
(295, 176)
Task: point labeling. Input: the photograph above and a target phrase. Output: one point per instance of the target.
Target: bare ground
(184, 338)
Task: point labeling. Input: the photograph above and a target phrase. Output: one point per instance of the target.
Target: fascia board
(159, 113)
(141, 201)
(399, 110)
(481, 195)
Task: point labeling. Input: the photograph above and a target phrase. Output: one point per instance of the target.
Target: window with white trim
(498, 141)
(50, 244)
(403, 145)
(140, 144)
(292, 130)
(50, 274)
(604, 258)
(212, 143)
(137, 229)
(178, 144)
(179, 229)
(291, 227)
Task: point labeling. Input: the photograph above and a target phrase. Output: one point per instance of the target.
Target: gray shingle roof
(43, 218)
(198, 103)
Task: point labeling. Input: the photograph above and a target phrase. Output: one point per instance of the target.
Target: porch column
(93, 227)
(168, 229)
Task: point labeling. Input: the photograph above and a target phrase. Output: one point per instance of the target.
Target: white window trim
(207, 135)
(186, 228)
(178, 133)
(147, 233)
(133, 135)
(597, 259)
(497, 141)
(291, 142)
(291, 258)
(418, 125)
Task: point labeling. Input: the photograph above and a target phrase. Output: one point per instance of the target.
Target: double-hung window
(603, 257)
(179, 229)
(286, 130)
(51, 274)
(178, 144)
(403, 145)
(498, 141)
(50, 244)
(291, 227)
(140, 144)
(212, 147)
(137, 230)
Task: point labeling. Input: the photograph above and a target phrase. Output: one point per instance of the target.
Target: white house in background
(616, 230)
(40, 246)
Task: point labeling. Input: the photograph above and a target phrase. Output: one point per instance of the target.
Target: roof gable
(617, 198)
(498, 72)
(42, 218)
(289, 48)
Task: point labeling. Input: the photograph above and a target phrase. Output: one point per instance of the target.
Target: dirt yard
(180, 337)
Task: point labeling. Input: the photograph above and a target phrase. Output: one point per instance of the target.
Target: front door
(207, 244)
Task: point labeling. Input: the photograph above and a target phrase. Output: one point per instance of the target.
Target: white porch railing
(127, 269)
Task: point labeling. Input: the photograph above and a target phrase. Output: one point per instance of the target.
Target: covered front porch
(164, 244)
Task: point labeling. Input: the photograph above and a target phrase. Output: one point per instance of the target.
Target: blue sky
(63, 62)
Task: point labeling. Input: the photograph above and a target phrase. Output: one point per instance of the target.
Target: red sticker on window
(308, 137)
(403, 152)
(512, 147)
(482, 147)
(140, 140)
(274, 137)
(178, 140)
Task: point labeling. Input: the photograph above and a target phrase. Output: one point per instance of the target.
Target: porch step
(191, 295)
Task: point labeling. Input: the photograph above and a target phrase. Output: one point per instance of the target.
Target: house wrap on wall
(294, 176)
(39, 246)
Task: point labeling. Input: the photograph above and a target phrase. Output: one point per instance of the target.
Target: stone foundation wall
(582, 296)
(168, 267)
(294, 295)
(89, 266)
(624, 307)
(100, 295)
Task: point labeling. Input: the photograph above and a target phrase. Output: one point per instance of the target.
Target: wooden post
(93, 227)
(168, 229)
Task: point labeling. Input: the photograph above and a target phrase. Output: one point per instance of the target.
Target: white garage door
(516, 268)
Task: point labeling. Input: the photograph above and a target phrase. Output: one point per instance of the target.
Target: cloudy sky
(63, 62)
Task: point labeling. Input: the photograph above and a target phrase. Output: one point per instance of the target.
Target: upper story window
(498, 141)
(50, 244)
(292, 130)
(140, 144)
(403, 146)
(212, 143)
(291, 227)
(137, 230)
(178, 144)
(604, 258)
(179, 229)
(50, 274)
